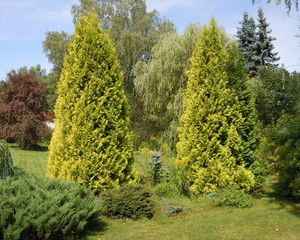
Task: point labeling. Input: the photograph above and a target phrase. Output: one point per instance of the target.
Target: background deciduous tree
(21, 106)
(274, 93)
(55, 46)
(160, 83)
(288, 3)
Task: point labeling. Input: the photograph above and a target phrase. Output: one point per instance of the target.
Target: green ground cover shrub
(167, 190)
(41, 208)
(129, 201)
(232, 196)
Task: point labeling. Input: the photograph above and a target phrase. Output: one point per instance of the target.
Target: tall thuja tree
(160, 82)
(265, 55)
(249, 131)
(246, 35)
(91, 142)
(210, 146)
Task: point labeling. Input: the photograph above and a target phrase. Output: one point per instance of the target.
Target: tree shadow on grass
(94, 228)
(35, 148)
(287, 203)
(39, 148)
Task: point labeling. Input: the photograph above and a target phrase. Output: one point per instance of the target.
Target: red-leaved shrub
(21, 103)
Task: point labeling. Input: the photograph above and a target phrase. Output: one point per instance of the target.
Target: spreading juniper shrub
(42, 208)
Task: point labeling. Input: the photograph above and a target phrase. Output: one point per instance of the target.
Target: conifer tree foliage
(255, 43)
(246, 35)
(238, 82)
(21, 106)
(91, 142)
(210, 146)
(6, 163)
(264, 47)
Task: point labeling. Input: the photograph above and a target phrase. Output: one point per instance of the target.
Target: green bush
(6, 165)
(129, 201)
(232, 196)
(41, 208)
(166, 190)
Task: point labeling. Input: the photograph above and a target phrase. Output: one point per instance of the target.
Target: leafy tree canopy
(160, 82)
(21, 106)
(288, 3)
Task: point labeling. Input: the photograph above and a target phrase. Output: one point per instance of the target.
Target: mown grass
(269, 219)
(33, 161)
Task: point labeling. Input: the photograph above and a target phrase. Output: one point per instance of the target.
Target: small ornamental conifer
(209, 139)
(91, 142)
(6, 163)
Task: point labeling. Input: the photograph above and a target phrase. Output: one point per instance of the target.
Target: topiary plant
(6, 164)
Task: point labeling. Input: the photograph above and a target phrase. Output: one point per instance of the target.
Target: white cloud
(165, 5)
(36, 10)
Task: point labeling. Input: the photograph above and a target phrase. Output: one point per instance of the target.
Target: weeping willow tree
(160, 83)
(288, 3)
(91, 142)
(210, 147)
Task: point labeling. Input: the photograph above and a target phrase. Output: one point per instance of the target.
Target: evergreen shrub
(129, 201)
(41, 208)
(92, 139)
(211, 149)
(6, 165)
(232, 196)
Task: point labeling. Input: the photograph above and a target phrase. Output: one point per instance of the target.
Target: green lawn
(33, 161)
(270, 218)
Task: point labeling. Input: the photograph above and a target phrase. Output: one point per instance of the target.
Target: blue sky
(23, 24)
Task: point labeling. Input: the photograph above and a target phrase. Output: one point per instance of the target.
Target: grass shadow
(35, 148)
(39, 148)
(289, 204)
(94, 228)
